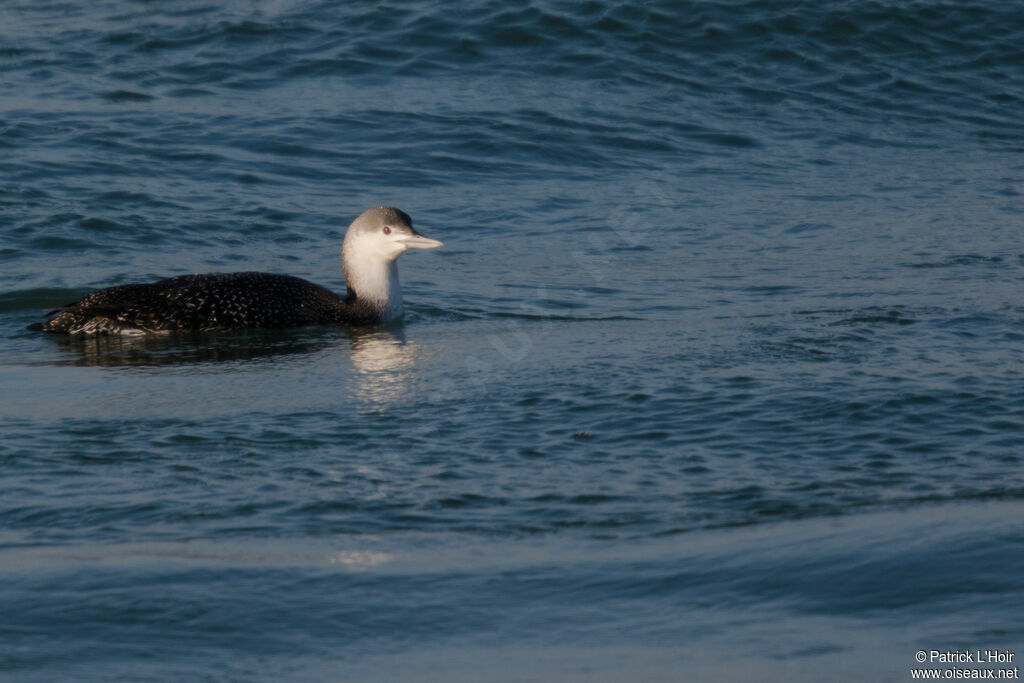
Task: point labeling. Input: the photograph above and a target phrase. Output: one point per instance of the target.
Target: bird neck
(375, 282)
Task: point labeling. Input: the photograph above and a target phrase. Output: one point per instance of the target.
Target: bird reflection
(187, 348)
(383, 360)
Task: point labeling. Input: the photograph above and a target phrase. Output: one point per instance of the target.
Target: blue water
(719, 375)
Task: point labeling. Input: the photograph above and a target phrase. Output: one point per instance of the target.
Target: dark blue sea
(719, 375)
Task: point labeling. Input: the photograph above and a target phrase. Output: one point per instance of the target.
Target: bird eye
(387, 230)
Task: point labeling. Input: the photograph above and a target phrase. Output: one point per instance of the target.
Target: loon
(236, 301)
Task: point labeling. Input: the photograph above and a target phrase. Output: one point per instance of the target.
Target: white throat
(375, 281)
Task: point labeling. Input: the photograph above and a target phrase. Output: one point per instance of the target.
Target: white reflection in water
(384, 365)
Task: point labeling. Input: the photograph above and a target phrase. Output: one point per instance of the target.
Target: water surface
(719, 375)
